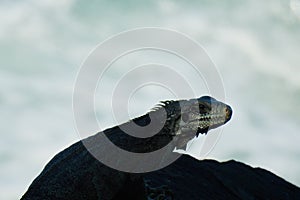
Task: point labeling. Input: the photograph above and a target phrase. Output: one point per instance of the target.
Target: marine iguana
(75, 174)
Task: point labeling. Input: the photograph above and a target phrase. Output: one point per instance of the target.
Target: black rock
(70, 177)
(74, 174)
(190, 179)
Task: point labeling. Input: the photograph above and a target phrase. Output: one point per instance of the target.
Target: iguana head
(202, 114)
(189, 118)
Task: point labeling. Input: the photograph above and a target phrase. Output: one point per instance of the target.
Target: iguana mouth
(215, 119)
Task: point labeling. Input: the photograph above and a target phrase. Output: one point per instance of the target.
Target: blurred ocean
(255, 45)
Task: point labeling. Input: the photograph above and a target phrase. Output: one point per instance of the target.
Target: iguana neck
(156, 129)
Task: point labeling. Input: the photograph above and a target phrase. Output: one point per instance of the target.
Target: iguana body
(75, 174)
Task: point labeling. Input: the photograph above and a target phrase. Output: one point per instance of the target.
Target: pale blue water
(255, 45)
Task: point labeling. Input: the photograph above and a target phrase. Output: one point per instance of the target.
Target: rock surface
(84, 177)
(190, 179)
(74, 174)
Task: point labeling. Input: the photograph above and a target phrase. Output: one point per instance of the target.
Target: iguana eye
(201, 106)
(185, 117)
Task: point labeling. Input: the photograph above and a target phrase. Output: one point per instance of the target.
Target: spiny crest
(161, 104)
